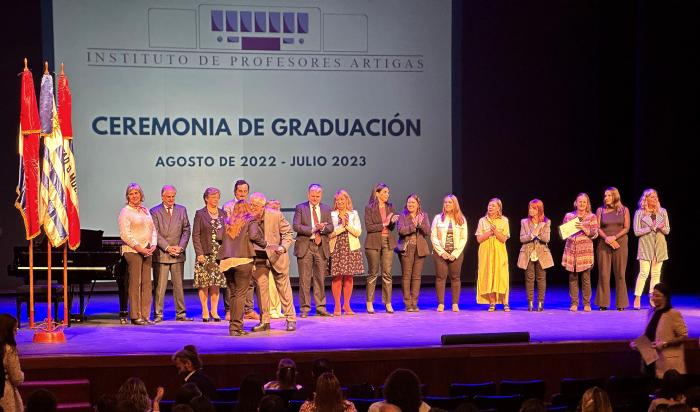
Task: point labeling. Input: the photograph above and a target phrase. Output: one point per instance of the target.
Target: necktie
(170, 210)
(314, 221)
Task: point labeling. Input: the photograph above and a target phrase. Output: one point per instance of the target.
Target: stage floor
(103, 335)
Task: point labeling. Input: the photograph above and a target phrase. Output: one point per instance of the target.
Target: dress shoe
(389, 308)
(184, 319)
(139, 322)
(620, 309)
(157, 319)
(205, 320)
(603, 308)
(261, 327)
(441, 307)
(215, 319)
(304, 314)
(291, 326)
(123, 321)
(237, 332)
(370, 308)
(455, 307)
(252, 315)
(324, 313)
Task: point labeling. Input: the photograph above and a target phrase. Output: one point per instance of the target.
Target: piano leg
(123, 287)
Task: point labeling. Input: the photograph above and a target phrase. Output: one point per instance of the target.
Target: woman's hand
(445, 255)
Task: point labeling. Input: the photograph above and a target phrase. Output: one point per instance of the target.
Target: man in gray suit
(173, 227)
(278, 234)
(312, 222)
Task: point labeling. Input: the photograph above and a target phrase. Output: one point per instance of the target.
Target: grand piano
(97, 258)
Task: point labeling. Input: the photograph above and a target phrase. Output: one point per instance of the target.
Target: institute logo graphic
(251, 28)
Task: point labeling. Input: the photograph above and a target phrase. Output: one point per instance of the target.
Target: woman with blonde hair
(207, 234)
(236, 261)
(651, 226)
(578, 251)
(535, 257)
(448, 234)
(492, 284)
(595, 400)
(344, 242)
(140, 238)
(613, 226)
(133, 390)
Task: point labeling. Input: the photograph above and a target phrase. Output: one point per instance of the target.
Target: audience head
(533, 405)
(202, 404)
(8, 331)
(106, 403)
(287, 374)
(186, 393)
(387, 407)
(187, 360)
(319, 367)
(595, 400)
(328, 395)
(272, 403)
(672, 385)
(251, 391)
(402, 388)
(41, 400)
(134, 391)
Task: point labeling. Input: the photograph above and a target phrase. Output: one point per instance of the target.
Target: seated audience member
(532, 405)
(251, 391)
(595, 400)
(134, 391)
(318, 368)
(402, 388)
(41, 400)
(328, 397)
(286, 377)
(126, 405)
(692, 398)
(272, 403)
(106, 403)
(467, 407)
(186, 393)
(202, 404)
(671, 391)
(190, 368)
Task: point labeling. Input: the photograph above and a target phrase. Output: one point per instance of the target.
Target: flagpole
(65, 284)
(31, 277)
(49, 318)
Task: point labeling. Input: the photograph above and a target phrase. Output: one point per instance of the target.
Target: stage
(364, 348)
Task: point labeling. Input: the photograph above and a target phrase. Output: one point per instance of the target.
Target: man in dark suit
(274, 258)
(312, 222)
(173, 227)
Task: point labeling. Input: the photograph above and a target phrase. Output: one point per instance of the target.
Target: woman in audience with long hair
(10, 401)
(328, 397)
(651, 226)
(493, 278)
(402, 388)
(448, 234)
(134, 390)
(286, 376)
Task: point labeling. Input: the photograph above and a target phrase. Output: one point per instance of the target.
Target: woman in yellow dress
(492, 284)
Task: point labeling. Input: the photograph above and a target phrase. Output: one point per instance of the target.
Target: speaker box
(474, 338)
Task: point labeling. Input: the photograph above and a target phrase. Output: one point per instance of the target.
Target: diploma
(649, 354)
(569, 228)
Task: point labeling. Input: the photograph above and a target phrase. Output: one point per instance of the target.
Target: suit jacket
(374, 226)
(172, 231)
(204, 383)
(671, 327)
(303, 226)
(278, 232)
(201, 231)
(538, 244)
(652, 245)
(242, 245)
(354, 229)
(406, 228)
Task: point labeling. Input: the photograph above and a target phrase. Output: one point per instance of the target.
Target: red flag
(70, 182)
(28, 186)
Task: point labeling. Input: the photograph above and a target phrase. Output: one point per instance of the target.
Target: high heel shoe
(637, 303)
(370, 308)
(441, 307)
(389, 308)
(455, 307)
(205, 320)
(540, 306)
(530, 307)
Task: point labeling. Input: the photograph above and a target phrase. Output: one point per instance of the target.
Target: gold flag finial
(46, 67)
(61, 68)
(25, 65)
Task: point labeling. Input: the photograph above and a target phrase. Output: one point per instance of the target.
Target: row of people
(331, 234)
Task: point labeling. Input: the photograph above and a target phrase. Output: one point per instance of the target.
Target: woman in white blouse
(138, 233)
(448, 235)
